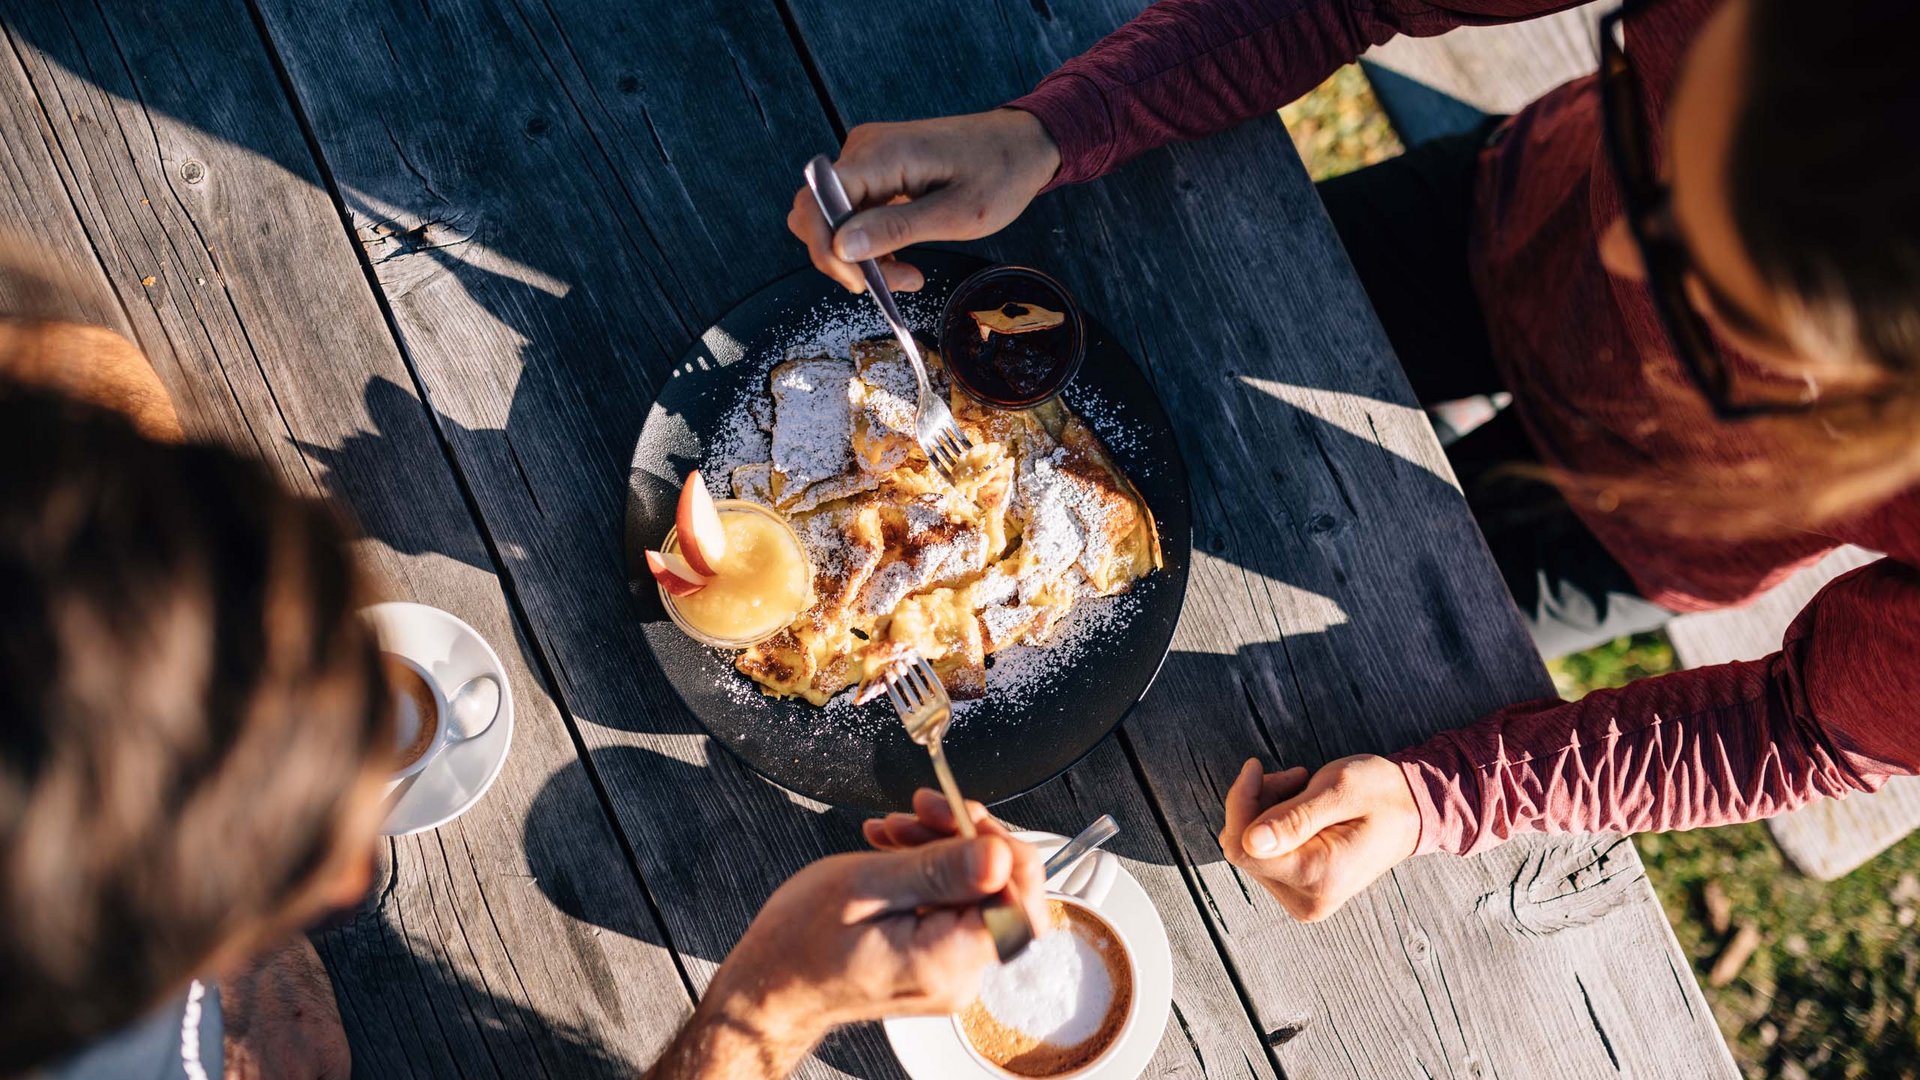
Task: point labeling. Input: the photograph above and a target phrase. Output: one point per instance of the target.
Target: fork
(921, 699)
(939, 437)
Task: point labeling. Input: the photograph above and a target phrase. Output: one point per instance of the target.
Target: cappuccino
(1060, 1005)
(416, 711)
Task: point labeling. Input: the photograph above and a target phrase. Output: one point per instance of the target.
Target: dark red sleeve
(1188, 68)
(1837, 709)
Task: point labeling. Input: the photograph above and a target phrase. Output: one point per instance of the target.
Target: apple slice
(673, 573)
(702, 540)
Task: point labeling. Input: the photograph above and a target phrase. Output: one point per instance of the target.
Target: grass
(1829, 991)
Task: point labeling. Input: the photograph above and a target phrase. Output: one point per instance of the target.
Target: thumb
(882, 230)
(944, 873)
(1283, 828)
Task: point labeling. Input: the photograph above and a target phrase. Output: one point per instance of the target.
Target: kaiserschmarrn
(1038, 517)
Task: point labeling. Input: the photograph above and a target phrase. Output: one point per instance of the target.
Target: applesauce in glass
(759, 587)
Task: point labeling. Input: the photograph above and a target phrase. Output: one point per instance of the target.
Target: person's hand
(865, 936)
(951, 178)
(1315, 842)
(932, 821)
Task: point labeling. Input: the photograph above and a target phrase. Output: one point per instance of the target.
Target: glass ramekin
(671, 602)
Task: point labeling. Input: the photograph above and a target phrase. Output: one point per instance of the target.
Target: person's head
(1793, 169)
(194, 730)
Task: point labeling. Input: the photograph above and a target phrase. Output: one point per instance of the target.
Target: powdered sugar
(1124, 434)
(811, 417)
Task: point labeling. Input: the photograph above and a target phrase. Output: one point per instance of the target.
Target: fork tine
(937, 458)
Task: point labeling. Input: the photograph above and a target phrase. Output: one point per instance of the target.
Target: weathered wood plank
(603, 197)
(1345, 601)
(1754, 631)
(1499, 69)
(1832, 837)
(155, 141)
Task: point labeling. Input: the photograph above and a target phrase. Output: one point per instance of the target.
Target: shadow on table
(408, 1013)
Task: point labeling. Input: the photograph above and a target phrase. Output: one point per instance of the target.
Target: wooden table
(431, 257)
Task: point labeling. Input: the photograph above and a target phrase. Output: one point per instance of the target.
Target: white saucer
(929, 1047)
(452, 652)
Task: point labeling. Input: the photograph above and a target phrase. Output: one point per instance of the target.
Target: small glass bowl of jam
(1011, 337)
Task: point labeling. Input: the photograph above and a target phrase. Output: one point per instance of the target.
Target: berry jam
(1011, 337)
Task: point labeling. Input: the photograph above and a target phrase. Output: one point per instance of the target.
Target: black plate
(861, 757)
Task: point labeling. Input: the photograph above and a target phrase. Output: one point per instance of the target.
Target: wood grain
(155, 141)
(1828, 838)
(1499, 69)
(603, 198)
(1344, 601)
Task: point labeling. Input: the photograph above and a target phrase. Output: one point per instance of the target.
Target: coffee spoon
(471, 710)
(1103, 829)
(475, 706)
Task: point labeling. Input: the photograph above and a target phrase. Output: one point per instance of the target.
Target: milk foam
(1058, 991)
(407, 720)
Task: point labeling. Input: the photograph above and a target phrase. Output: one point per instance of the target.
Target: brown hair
(1826, 198)
(189, 702)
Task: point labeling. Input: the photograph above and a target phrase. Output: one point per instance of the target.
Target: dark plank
(155, 141)
(555, 202)
(1344, 601)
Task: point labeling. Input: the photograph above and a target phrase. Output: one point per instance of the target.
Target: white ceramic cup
(1126, 1026)
(442, 714)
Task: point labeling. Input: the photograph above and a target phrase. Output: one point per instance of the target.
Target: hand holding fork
(940, 438)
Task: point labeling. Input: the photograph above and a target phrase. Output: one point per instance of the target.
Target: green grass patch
(1338, 127)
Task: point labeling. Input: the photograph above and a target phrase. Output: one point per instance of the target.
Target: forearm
(1184, 69)
(1837, 709)
(731, 1035)
(1706, 747)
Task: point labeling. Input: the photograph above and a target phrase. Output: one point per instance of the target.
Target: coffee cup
(420, 727)
(1059, 1010)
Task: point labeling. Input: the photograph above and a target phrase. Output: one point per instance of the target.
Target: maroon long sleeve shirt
(1594, 380)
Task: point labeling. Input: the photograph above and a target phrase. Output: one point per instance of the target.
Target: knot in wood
(1566, 883)
(1286, 1033)
(192, 171)
(1418, 947)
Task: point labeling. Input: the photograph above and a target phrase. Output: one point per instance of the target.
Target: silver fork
(941, 439)
(921, 699)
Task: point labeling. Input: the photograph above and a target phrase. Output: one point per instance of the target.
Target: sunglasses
(1649, 212)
